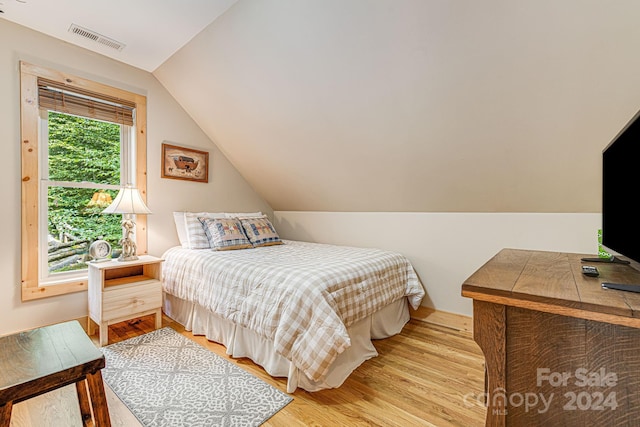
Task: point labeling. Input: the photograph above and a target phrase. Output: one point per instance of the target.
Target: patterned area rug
(167, 379)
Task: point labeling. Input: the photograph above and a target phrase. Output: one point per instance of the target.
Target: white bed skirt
(241, 342)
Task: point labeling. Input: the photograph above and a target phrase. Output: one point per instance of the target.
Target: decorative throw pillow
(260, 231)
(225, 234)
(196, 237)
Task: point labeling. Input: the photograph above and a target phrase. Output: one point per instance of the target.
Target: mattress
(301, 298)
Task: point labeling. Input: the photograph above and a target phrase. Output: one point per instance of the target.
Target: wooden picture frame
(184, 163)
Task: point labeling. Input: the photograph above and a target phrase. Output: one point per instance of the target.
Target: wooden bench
(44, 359)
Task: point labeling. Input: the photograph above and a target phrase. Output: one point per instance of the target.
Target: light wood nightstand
(120, 291)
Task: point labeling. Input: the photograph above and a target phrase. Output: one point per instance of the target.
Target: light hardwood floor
(420, 378)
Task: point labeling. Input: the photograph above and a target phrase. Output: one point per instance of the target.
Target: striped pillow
(196, 237)
(260, 231)
(225, 234)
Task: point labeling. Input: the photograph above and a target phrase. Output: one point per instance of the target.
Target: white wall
(166, 120)
(445, 248)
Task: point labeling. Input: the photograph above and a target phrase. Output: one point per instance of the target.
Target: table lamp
(128, 202)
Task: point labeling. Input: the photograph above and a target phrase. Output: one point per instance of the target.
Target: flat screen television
(620, 185)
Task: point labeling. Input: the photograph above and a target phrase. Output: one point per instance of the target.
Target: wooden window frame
(29, 116)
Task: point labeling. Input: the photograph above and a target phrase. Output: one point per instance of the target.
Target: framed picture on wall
(184, 163)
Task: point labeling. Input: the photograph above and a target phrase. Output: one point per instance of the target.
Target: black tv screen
(620, 185)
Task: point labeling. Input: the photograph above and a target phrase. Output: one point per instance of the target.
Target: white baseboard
(455, 321)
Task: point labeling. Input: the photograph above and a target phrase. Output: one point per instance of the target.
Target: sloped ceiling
(388, 105)
(413, 105)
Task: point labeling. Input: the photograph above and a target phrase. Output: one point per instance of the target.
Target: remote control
(590, 271)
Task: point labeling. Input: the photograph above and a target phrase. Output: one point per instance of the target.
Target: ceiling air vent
(98, 38)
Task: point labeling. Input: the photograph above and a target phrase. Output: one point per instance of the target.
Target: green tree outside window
(80, 150)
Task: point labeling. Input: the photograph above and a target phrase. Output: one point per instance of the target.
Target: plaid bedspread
(300, 295)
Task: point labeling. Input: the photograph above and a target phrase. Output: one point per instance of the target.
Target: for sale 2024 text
(601, 380)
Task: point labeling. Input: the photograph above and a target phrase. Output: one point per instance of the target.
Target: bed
(304, 311)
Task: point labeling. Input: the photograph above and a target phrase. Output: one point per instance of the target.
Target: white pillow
(181, 228)
(243, 215)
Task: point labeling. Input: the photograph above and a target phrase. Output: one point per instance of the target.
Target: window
(81, 167)
(81, 141)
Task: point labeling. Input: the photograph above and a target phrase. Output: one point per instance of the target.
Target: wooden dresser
(559, 349)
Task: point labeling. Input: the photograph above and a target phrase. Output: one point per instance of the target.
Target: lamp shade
(128, 201)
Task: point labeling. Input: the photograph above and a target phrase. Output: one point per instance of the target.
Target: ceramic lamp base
(128, 245)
